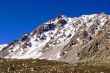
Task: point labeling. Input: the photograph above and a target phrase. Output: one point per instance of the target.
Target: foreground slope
(65, 39)
(43, 66)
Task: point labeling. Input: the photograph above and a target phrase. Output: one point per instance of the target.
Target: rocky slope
(65, 39)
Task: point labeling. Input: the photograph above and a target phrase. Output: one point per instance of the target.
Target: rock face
(65, 39)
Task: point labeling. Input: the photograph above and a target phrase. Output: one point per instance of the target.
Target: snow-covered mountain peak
(55, 38)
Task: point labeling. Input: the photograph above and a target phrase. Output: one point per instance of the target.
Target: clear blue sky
(18, 17)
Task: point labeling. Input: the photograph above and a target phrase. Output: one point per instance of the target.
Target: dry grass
(44, 66)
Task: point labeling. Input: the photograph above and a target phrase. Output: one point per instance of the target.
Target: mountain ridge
(63, 39)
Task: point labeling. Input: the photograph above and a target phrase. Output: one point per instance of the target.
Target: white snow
(2, 46)
(35, 51)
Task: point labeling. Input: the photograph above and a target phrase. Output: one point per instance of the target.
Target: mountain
(2, 46)
(65, 39)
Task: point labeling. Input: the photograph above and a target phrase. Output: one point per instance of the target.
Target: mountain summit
(65, 39)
